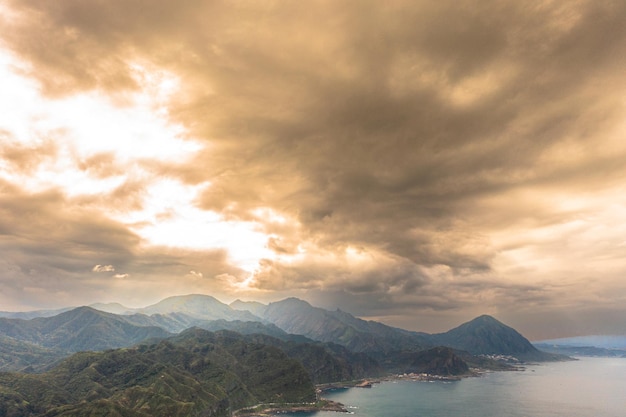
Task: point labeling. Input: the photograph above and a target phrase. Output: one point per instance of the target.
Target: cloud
(26, 158)
(103, 268)
(121, 276)
(434, 156)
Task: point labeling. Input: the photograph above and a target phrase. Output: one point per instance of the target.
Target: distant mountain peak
(293, 301)
(254, 307)
(115, 308)
(83, 310)
(199, 306)
(487, 335)
(189, 298)
(484, 320)
(83, 328)
(485, 317)
(297, 316)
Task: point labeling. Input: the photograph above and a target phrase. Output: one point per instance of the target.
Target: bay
(584, 388)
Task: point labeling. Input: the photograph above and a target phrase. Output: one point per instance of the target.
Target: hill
(485, 335)
(256, 308)
(325, 362)
(27, 315)
(178, 313)
(185, 376)
(80, 329)
(87, 329)
(115, 308)
(352, 347)
(246, 327)
(197, 306)
(299, 317)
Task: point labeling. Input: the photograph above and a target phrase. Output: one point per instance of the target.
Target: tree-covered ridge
(325, 362)
(195, 374)
(82, 328)
(485, 335)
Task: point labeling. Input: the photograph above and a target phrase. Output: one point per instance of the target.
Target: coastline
(267, 410)
(323, 404)
(368, 383)
(552, 389)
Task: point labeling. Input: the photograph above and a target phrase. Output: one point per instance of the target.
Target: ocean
(589, 387)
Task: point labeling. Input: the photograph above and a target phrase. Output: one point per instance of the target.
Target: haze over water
(588, 387)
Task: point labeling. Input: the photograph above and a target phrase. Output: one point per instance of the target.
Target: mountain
(289, 320)
(485, 335)
(177, 322)
(184, 376)
(115, 308)
(178, 313)
(88, 329)
(174, 314)
(27, 315)
(256, 308)
(80, 329)
(249, 327)
(197, 306)
(299, 317)
(482, 336)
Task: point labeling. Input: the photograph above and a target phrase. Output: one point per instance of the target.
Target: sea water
(589, 387)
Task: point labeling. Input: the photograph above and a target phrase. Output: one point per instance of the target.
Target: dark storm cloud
(415, 131)
(48, 225)
(46, 243)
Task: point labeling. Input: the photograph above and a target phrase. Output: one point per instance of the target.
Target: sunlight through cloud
(172, 219)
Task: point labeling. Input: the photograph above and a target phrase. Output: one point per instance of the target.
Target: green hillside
(485, 335)
(80, 329)
(187, 376)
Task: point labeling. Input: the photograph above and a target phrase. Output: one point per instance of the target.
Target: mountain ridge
(483, 335)
(299, 317)
(82, 328)
(182, 376)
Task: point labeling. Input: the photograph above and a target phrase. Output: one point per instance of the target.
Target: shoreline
(323, 404)
(268, 410)
(368, 383)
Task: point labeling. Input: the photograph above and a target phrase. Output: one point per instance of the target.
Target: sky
(414, 162)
